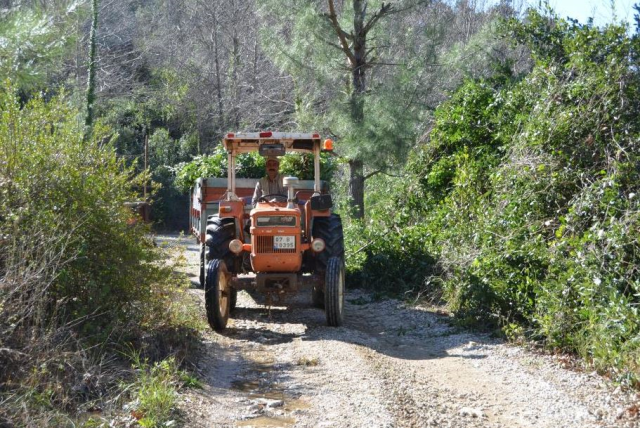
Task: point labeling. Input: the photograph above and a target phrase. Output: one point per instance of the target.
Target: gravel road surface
(391, 365)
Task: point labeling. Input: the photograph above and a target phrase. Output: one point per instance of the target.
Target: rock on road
(390, 365)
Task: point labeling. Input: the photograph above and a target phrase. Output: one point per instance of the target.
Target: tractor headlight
(317, 245)
(235, 246)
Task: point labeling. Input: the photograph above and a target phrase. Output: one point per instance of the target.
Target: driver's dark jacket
(264, 186)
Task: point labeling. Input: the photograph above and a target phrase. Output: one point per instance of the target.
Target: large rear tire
(217, 294)
(334, 292)
(220, 231)
(330, 230)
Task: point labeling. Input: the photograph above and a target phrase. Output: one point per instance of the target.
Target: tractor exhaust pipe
(290, 183)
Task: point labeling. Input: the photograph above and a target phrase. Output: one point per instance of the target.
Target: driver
(272, 183)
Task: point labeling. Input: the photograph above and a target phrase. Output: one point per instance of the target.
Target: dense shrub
(141, 117)
(388, 261)
(75, 269)
(526, 195)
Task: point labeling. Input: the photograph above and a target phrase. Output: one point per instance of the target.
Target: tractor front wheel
(330, 230)
(334, 291)
(217, 294)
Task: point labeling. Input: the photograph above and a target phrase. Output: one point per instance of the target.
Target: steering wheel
(265, 198)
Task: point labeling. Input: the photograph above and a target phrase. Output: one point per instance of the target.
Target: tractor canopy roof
(246, 142)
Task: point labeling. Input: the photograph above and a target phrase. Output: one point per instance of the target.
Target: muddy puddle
(265, 421)
(270, 405)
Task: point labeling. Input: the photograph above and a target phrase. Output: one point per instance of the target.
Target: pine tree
(333, 53)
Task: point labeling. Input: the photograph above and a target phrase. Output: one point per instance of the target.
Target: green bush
(525, 195)
(75, 267)
(385, 260)
(53, 183)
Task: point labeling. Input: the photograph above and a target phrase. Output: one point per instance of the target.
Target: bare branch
(364, 247)
(341, 34)
(323, 40)
(346, 35)
(379, 171)
(371, 174)
(385, 9)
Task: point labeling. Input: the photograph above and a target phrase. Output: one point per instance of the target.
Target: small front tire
(217, 294)
(334, 292)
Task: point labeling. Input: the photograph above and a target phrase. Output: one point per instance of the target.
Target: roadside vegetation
(81, 280)
(520, 209)
(486, 160)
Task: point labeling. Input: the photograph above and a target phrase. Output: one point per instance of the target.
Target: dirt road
(390, 365)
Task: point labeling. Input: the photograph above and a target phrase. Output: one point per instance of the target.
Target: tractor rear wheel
(334, 292)
(220, 231)
(330, 230)
(217, 294)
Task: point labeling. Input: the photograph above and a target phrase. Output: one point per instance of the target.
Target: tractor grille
(264, 244)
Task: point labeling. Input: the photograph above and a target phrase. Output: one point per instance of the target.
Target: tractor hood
(274, 209)
(270, 215)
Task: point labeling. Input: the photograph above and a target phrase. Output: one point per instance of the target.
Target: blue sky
(599, 9)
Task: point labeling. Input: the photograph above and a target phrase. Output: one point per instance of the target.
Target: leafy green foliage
(76, 267)
(525, 195)
(249, 165)
(387, 260)
(51, 181)
(33, 45)
(168, 202)
(155, 391)
(151, 112)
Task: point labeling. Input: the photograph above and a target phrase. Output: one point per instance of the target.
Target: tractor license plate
(284, 242)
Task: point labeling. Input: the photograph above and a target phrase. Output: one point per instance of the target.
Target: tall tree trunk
(235, 60)
(354, 46)
(91, 83)
(218, 82)
(356, 187)
(356, 167)
(358, 77)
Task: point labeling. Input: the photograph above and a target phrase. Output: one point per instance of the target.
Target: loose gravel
(390, 365)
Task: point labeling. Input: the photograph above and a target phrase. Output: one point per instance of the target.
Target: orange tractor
(283, 244)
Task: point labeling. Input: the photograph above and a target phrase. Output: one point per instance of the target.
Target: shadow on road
(389, 327)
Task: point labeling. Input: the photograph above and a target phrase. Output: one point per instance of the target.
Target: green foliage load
(526, 194)
(249, 165)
